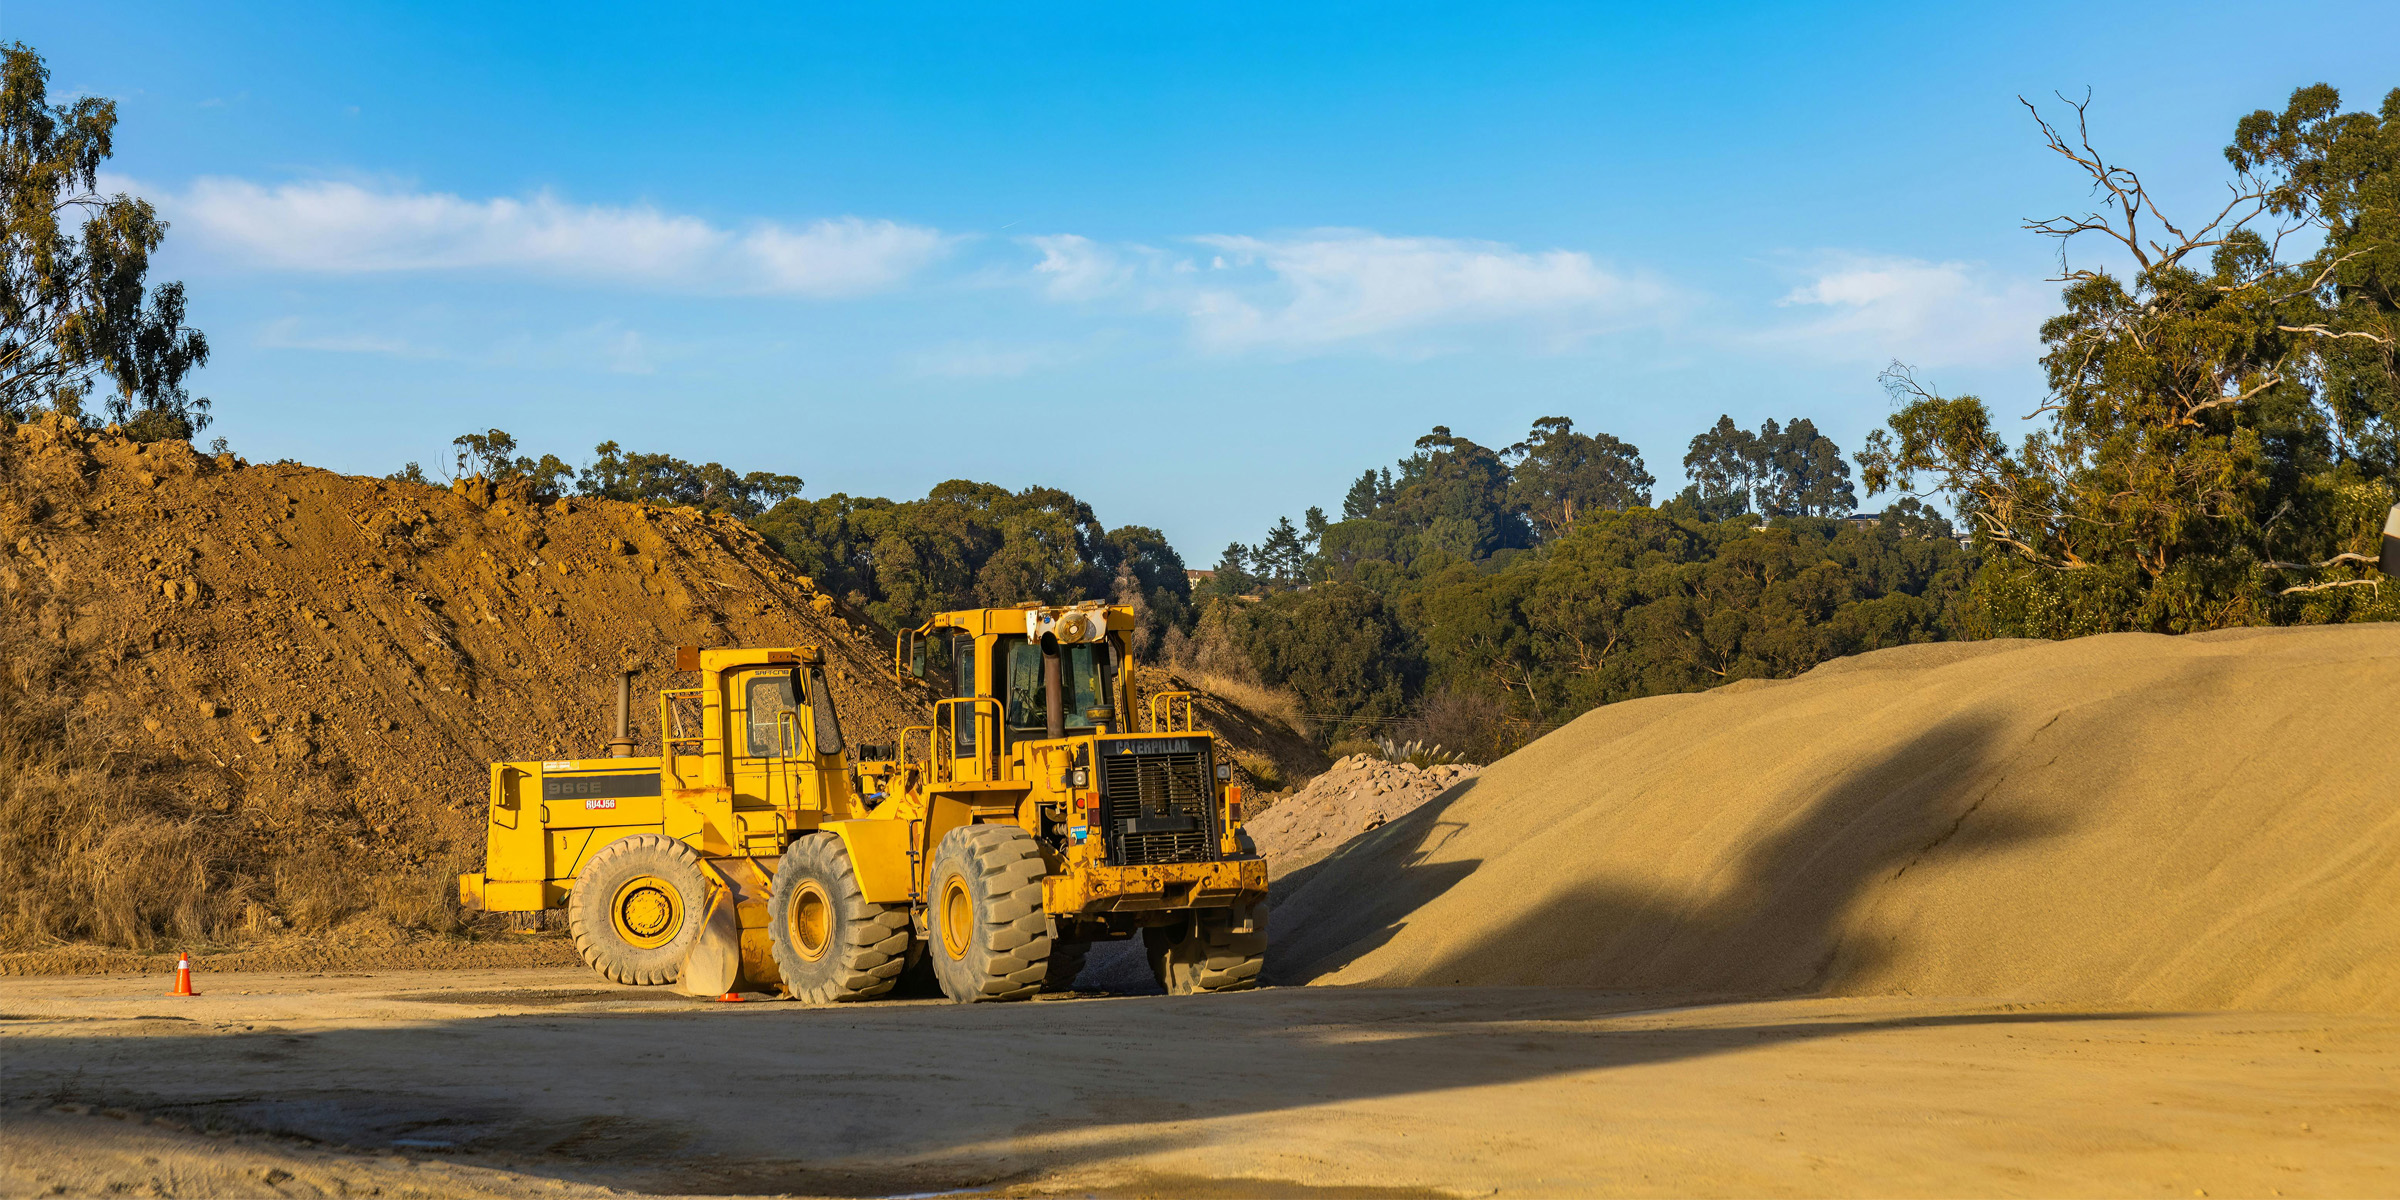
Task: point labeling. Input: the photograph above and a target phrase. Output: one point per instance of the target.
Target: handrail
(1162, 712)
(900, 759)
(788, 741)
(669, 728)
(945, 750)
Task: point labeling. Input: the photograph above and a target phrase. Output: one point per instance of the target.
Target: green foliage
(1647, 601)
(1626, 603)
(1459, 502)
(1559, 473)
(1416, 752)
(2220, 427)
(1782, 470)
(970, 544)
(74, 304)
(1231, 576)
(616, 474)
(487, 454)
(1474, 597)
(1340, 647)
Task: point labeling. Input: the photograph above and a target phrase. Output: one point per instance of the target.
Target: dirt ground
(550, 1082)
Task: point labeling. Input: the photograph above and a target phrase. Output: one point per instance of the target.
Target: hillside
(254, 698)
(2129, 820)
(1256, 726)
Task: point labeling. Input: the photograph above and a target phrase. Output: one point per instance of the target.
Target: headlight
(1224, 772)
(1082, 777)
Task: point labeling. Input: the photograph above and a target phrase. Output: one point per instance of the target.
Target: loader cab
(1087, 675)
(995, 666)
(761, 725)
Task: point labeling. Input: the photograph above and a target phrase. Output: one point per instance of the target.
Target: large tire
(636, 908)
(1066, 962)
(830, 943)
(1212, 959)
(989, 939)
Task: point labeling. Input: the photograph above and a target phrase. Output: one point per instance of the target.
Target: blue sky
(1197, 264)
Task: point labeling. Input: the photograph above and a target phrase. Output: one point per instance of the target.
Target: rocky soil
(1359, 793)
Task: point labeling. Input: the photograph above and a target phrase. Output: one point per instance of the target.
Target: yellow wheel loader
(1037, 814)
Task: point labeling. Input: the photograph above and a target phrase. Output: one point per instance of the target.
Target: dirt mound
(2196, 822)
(1358, 794)
(256, 698)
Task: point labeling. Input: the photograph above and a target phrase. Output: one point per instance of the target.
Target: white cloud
(1339, 288)
(844, 256)
(1348, 285)
(1875, 309)
(1078, 268)
(348, 228)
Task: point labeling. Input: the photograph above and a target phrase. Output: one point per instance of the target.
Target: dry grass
(106, 843)
(1279, 706)
(93, 845)
(106, 839)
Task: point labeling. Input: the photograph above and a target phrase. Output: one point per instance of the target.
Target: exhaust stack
(622, 745)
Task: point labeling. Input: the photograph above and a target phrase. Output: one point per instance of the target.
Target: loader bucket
(714, 963)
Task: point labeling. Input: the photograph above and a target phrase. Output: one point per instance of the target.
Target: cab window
(1089, 684)
(767, 696)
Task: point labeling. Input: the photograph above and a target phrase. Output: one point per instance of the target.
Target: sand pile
(2198, 822)
(1358, 794)
(301, 676)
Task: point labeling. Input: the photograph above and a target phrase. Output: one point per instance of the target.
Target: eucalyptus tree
(78, 319)
(2216, 445)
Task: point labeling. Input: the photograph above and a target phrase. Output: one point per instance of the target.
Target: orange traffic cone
(730, 998)
(183, 976)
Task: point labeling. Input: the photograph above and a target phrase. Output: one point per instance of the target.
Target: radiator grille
(1144, 797)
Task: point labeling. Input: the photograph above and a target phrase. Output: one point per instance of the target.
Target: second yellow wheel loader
(1039, 813)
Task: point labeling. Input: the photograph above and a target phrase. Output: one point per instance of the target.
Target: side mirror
(2391, 543)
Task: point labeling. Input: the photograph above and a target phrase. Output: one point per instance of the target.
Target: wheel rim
(958, 917)
(647, 912)
(811, 921)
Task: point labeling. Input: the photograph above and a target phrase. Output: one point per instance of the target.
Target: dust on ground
(552, 1082)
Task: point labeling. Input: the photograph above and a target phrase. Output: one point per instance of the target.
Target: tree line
(616, 474)
(1477, 595)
